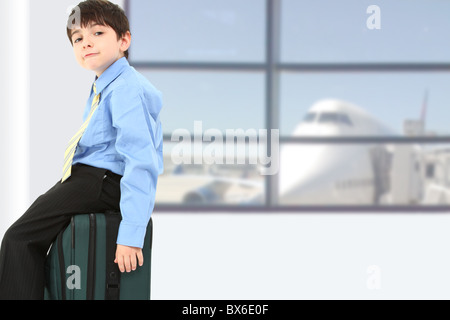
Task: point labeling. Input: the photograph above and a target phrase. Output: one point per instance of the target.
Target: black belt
(114, 176)
(108, 173)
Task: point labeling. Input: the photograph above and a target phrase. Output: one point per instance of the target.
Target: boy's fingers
(119, 261)
(127, 263)
(140, 258)
(133, 262)
(127, 260)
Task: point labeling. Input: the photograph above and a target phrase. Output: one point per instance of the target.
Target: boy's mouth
(90, 55)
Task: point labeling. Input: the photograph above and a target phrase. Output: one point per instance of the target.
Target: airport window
(330, 31)
(357, 91)
(408, 101)
(197, 31)
(220, 100)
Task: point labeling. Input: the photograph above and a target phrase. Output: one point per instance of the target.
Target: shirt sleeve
(135, 116)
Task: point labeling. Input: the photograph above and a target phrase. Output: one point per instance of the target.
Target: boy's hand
(127, 258)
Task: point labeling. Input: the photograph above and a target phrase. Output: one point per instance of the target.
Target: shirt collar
(110, 74)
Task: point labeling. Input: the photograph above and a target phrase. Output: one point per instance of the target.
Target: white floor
(301, 256)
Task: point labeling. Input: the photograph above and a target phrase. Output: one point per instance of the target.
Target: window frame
(272, 68)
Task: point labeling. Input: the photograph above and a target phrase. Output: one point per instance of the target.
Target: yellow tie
(70, 151)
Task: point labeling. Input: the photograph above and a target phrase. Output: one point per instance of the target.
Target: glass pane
(365, 104)
(337, 31)
(197, 30)
(192, 180)
(364, 174)
(220, 100)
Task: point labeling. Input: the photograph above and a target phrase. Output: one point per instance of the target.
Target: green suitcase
(80, 264)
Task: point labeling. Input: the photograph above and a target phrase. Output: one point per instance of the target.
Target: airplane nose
(299, 174)
(323, 174)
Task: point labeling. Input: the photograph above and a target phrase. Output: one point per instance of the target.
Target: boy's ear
(125, 41)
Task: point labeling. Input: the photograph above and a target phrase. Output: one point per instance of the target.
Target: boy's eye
(77, 40)
(98, 33)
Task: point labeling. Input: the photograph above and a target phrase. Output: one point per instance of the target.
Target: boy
(112, 162)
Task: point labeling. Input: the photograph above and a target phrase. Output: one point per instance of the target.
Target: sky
(320, 31)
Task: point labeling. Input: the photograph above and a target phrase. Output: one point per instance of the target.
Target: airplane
(312, 174)
(315, 174)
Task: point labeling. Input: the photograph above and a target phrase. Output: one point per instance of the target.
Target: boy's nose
(87, 44)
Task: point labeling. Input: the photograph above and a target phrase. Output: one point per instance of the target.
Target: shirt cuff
(131, 235)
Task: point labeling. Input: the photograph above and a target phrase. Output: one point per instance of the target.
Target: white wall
(213, 256)
(14, 110)
(301, 256)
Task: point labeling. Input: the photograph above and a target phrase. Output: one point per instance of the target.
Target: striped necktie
(70, 151)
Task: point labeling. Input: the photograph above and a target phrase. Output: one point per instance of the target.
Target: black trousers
(26, 243)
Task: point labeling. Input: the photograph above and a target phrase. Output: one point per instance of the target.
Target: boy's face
(96, 47)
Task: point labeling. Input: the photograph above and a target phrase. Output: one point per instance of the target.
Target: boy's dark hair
(101, 12)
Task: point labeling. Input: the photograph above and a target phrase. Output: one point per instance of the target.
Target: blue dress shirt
(125, 137)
